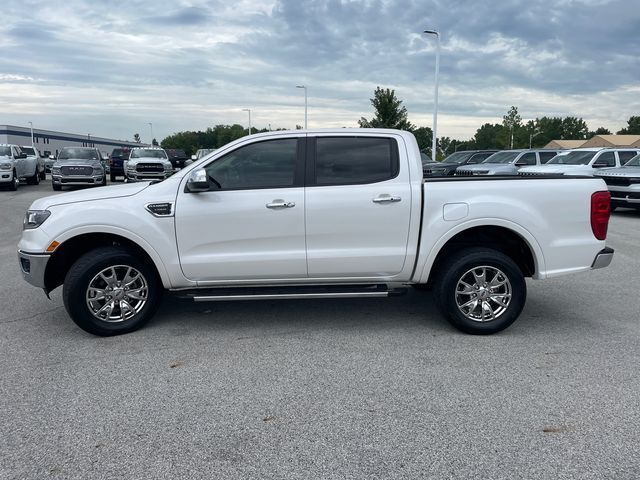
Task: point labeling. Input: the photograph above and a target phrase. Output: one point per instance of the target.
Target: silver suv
(78, 166)
(507, 162)
(13, 166)
(147, 164)
(623, 183)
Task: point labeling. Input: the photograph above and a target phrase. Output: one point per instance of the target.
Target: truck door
(250, 225)
(358, 206)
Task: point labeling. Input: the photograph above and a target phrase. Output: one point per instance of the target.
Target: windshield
(577, 157)
(634, 162)
(502, 157)
(78, 154)
(458, 157)
(5, 151)
(28, 150)
(148, 153)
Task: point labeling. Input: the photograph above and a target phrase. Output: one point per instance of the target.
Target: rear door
(358, 206)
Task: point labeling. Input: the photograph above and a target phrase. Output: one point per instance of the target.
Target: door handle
(280, 204)
(386, 199)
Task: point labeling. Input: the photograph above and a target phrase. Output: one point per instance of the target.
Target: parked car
(507, 162)
(12, 166)
(582, 161)
(78, 166)
(177, 157)
(448, 165)
(147, 163)
(337, 213)
(201, 153)
(33, 156)
(623, 183)
(116, 162)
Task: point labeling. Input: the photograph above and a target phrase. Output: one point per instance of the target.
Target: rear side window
(355, 160)
(626, 156)
(546, 156)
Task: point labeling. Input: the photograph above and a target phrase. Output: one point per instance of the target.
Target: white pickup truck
(313, 214)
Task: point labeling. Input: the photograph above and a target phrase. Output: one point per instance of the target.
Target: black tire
(459, 266)
(104, 180)
(35, 178)
(112, 177)
(612, 208)
(15, 182)
(43, 174)
(56, 187)
(86, 268)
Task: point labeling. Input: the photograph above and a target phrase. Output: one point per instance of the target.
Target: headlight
(98, 170)
(130, 167)
(35, 218)
(634, 180)
(55, 170)
(168, 166)
(480, 172)
(5, 166)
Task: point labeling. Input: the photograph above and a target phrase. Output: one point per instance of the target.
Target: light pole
(435, 92)
(532, 136)
(31, 127)
(248, 110)
(88, 139)
(305, 104)
(151, 127)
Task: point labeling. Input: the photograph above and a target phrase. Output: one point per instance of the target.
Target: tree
(632, 128)
(388, 110)
(136, 138)
(424, 136)
(489, 136)
(599, 131)
(574, 128)
(511, 121)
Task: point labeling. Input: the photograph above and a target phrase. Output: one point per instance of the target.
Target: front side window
(607, 158)
(528, 159)
(28, 151)
(355, 160)
(268, 164)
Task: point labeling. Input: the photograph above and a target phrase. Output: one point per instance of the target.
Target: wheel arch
(75, 244)
(506, 237)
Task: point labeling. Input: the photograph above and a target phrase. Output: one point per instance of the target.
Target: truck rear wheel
(480, 291)
(15, 182)
(109, 291)
(35, 178)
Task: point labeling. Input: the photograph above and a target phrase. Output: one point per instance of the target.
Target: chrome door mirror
(197, 181)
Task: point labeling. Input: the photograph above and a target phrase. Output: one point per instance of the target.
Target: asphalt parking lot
(325, 389)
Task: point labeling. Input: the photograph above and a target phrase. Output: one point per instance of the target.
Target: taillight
(600, 212)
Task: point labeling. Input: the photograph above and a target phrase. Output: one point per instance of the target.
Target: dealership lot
(325, 389)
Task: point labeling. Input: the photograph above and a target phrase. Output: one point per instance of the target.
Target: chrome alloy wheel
(483, 293)
(117, 293)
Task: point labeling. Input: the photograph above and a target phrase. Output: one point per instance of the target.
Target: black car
(116, 162)
(448, 166)
(177, 157)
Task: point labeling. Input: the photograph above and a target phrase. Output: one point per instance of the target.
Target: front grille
(464, 173)
(617, 181)
(149, 168)
(76, 170)
(531, 174)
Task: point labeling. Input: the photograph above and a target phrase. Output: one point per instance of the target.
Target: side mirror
(188, 162)
(51, 157)
(193, 157)
(21, 155)
(197, 181)
(520, 164)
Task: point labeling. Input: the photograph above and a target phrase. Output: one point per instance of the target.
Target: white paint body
(333, 234)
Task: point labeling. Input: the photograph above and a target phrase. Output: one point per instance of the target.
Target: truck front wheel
(109, 291)
(480, 290)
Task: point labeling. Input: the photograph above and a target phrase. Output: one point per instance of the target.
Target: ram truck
(313, 214)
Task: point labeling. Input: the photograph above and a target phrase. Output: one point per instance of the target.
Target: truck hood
(559, 169)
(89, 194)
(619, 172)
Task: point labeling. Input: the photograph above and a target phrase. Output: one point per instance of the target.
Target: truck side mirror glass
(197, 181)
(51, 157)
(193, 157)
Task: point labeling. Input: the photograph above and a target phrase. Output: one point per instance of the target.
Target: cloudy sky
(109, 67)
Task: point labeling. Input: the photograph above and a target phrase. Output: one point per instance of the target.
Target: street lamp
(88, 139)
(151, 127)
(305, 104)
(248, 110)
(435, 92)
(31, 127)
(532, 136)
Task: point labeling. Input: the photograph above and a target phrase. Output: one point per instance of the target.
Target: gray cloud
(193, 64)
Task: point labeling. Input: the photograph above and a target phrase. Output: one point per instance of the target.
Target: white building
(50, 142)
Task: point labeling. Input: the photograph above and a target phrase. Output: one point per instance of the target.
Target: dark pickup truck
(177, 157)
(116, 162)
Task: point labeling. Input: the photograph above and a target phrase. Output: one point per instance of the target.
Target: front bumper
(33, 267)
(71, 180)
(603, 258)
(625, 196)
(145, 177)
